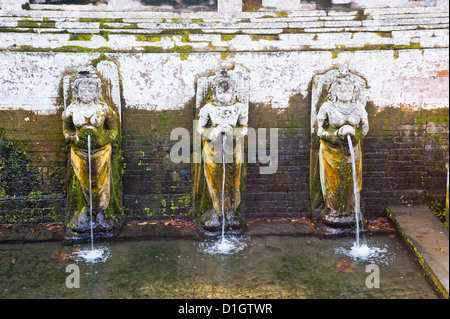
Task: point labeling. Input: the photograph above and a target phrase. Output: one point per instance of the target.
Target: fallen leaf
(61, 256)
(441, 249)
(345, 266)
(249, 245)
(58, 256)
(13, 261)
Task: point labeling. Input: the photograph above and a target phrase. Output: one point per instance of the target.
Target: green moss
(17, 178)
(25, 23)
(281, 14)
(360, 16)
(80, 37)
(396, 54)
(152, 49)
(411, 45)
(270, 37)
(227, 37)
(437, 207)
(384, 34)
(148, 38)
(186, 49)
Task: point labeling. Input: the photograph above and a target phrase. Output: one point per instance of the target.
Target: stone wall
(401, 51)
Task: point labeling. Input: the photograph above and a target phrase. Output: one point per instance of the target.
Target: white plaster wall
(414, 78)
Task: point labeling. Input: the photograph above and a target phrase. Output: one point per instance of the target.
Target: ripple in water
(100, 254)
(224, 246)
(365, 253)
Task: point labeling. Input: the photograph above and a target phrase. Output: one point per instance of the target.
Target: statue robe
(237, 117)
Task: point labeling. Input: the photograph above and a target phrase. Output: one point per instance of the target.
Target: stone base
(211, 222)
(332, 224)
(103, 228)
(72, 237)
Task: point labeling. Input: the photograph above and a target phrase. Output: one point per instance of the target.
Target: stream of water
(91, 255)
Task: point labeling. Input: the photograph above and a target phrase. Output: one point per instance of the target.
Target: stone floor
(428, 238)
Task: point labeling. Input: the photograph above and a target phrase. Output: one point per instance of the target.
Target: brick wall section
(403, 162)
(154, 187)
(404, 157)
(40, 195)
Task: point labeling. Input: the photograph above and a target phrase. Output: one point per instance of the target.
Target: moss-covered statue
(338, 110)
(223, 117)
(89, 115)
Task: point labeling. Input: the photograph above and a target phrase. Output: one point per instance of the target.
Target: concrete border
(428, 239)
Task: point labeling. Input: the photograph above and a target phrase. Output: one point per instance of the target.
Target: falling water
(223, 244)
(91, 255)
(90, 192)
(359, 251)
(224, 140)
(355, 189)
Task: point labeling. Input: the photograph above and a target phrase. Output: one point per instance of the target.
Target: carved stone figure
(89, 115)
(223, 119)
(338, 110)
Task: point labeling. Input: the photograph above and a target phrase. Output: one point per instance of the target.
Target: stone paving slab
(429, 240)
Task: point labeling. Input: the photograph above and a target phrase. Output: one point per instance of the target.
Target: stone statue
(224, 118)
(87, 115)
(338, 111)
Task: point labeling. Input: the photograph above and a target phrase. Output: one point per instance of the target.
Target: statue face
(88, 91)
(344, 91)
(224, 93)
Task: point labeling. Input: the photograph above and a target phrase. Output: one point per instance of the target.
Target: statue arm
(111, 128)
(69, 130)
(364, 123)
(322, 132)
(242, 127)
(207, 133)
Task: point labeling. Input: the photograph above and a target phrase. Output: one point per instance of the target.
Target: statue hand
(345, 130)
(215, 133)
(79, 142)
(84, 132)
(227, 129)
(324, 134)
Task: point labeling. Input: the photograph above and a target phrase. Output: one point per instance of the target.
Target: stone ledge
(177, 228)
(157, 42)
(429, 240)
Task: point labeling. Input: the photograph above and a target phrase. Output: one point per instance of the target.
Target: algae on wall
(22, 198)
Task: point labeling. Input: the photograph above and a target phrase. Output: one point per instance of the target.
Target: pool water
(262, 267)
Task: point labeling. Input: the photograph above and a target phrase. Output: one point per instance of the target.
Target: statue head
(343, 88)
(87, 85)
(223, 88)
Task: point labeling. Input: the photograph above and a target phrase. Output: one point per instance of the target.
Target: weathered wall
(401, 52)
